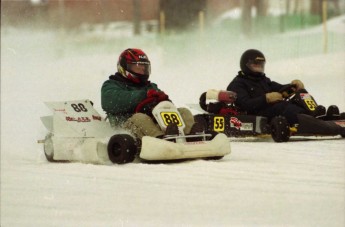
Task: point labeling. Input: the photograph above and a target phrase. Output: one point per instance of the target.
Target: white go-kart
(77, 132)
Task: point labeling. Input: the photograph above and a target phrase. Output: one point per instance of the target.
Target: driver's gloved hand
(273, 97)
(299, 85)
(227, 96)
(147, 108)
(160, 95)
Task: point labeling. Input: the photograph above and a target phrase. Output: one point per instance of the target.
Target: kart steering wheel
(202, 101)
(288, 91)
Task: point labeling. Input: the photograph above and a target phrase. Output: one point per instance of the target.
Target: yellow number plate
(309, 101)
(310, 104)
(218, 124)
(171, 117)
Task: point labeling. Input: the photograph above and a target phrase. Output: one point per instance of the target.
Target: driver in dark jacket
(257, 94)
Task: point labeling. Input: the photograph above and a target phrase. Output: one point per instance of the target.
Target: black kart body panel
(234, 125)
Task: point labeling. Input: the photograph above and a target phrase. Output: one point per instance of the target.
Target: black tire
(342, 132)
(342, 116)
(280, 130)
(121, 149)
(342, 135)
(49, 148)
(214, 158)
(202, 101)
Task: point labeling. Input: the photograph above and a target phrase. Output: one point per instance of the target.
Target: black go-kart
(227, 118)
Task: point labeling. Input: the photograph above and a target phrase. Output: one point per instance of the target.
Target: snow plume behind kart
(77, 132)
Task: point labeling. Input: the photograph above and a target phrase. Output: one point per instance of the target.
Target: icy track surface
(262, 183)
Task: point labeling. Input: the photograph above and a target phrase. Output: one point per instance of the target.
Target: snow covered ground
(262, 183)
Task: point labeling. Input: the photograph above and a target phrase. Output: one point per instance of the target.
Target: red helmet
(134, 65)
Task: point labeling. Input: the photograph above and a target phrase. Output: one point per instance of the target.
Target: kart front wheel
(280, 130)
(121, 149)
(49, 148)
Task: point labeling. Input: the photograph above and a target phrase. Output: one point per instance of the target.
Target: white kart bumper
(154, 149)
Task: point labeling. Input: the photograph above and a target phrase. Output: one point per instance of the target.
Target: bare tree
(246, 6)
(247, 17)
(136, 17)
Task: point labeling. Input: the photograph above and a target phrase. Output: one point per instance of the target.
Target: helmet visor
(141, 68)
(257, 66)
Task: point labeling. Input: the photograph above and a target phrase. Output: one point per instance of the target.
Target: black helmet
(134, 65)
(253, 62)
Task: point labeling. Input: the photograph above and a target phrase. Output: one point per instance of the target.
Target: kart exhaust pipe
(41, 141)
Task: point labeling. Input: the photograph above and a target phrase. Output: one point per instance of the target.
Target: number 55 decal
(218, 124)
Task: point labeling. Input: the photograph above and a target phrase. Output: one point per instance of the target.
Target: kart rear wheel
(342, 116)
(280, 130)
(121, 149)
(49, 148)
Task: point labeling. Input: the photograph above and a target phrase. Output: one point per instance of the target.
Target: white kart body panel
(81, 121)
(78, 133)
(169, 108)
(86, 150)
(158, 149)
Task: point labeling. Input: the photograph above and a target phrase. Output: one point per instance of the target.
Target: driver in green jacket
(128, 89)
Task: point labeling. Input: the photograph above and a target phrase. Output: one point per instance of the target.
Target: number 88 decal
(171, 117)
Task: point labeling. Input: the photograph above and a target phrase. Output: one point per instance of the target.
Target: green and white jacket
(120, 97)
